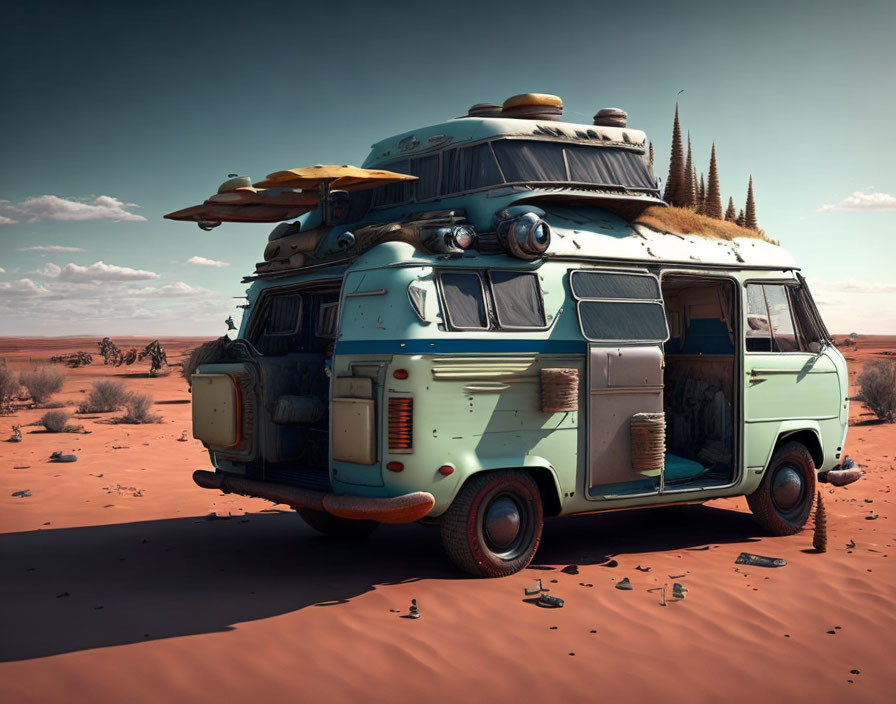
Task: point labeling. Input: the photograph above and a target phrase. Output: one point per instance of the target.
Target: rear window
(285, 315)
(619, 306)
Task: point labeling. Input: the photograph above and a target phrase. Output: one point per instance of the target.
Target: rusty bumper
(400, 509)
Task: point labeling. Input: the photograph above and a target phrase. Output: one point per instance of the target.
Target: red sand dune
(115, 587)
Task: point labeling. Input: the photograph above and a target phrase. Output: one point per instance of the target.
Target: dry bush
(877, 388)
(106, 395)
(9, 388)
(57, 422)
(42, 383)
(684, 221)
(137, 407)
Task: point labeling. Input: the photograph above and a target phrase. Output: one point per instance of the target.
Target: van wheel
(493, 527)
(336, 527)
(783, 501)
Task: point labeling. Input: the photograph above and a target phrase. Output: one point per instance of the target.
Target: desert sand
(116, 584)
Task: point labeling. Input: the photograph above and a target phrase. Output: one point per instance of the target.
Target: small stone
(624, 584)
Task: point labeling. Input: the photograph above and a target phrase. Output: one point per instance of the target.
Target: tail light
(401, 424)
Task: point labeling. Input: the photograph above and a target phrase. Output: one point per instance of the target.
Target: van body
(547, 356)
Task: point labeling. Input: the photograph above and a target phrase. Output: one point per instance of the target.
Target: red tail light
(401, 424)
(395, 467)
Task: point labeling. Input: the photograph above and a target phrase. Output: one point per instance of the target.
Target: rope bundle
(559, 390)
(648, 441)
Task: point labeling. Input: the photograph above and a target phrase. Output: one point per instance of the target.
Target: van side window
(770, 326)
(465, 300)
(518, 302)
(615, 307)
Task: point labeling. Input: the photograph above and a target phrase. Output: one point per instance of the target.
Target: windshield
(515, 161)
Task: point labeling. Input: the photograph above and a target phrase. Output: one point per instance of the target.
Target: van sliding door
(622, 316)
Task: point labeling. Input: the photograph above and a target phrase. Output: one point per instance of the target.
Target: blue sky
(114, 115)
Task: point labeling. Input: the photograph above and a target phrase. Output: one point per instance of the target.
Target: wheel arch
(541, 471)
(806, 433)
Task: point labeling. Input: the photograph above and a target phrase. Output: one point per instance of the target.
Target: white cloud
(49, 207)
(23, 287)
(96, 272)
(202, 261)
(176, 289)
(54, 248)
(2, 270)
(862, 201)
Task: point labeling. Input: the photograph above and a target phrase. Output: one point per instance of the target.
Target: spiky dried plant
(750, 210)
(820, 536)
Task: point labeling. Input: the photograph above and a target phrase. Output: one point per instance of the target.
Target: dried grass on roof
(684, 221)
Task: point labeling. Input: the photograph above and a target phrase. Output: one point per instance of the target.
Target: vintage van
(479, 329)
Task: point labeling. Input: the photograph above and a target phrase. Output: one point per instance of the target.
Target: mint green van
(478, 330)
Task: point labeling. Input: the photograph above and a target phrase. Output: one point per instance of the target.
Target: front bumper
(399, 509)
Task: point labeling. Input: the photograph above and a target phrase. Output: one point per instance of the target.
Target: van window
(518, 302)
(615, 321)
(464, 300)
(619, 306)
(606, 284)
(770, 326)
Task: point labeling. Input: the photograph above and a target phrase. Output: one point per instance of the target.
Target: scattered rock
(624, 584)
(642, 569)
(22, 493)
(59, 457)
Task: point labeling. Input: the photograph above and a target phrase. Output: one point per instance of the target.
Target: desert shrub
(42, 383)
(877, 388)
(9, 387)
(57, 422)
(137, 407)
(105, 395)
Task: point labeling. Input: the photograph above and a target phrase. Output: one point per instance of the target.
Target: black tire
(783, 502)
(511, 501)
(336, 527)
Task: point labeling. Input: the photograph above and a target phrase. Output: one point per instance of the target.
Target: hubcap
(502, 522)
(787, 488)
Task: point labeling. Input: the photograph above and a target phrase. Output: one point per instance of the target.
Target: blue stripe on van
(443, 346)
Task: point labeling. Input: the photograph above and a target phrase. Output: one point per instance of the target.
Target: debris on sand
(16, 434)
(642, 569)
(678, 591)
(536, 589)
(414, 610)
(851, 544)
(22, 493)
(549, 602)
(59, 457)
(748, 558)
(624, 584)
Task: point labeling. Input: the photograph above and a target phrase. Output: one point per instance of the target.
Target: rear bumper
(400, 509)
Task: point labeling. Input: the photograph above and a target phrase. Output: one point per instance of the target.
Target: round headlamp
(528, 236)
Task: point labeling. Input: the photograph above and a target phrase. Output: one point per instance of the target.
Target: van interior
(700, 393)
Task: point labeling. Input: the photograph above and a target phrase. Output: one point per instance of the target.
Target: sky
(114, 114)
